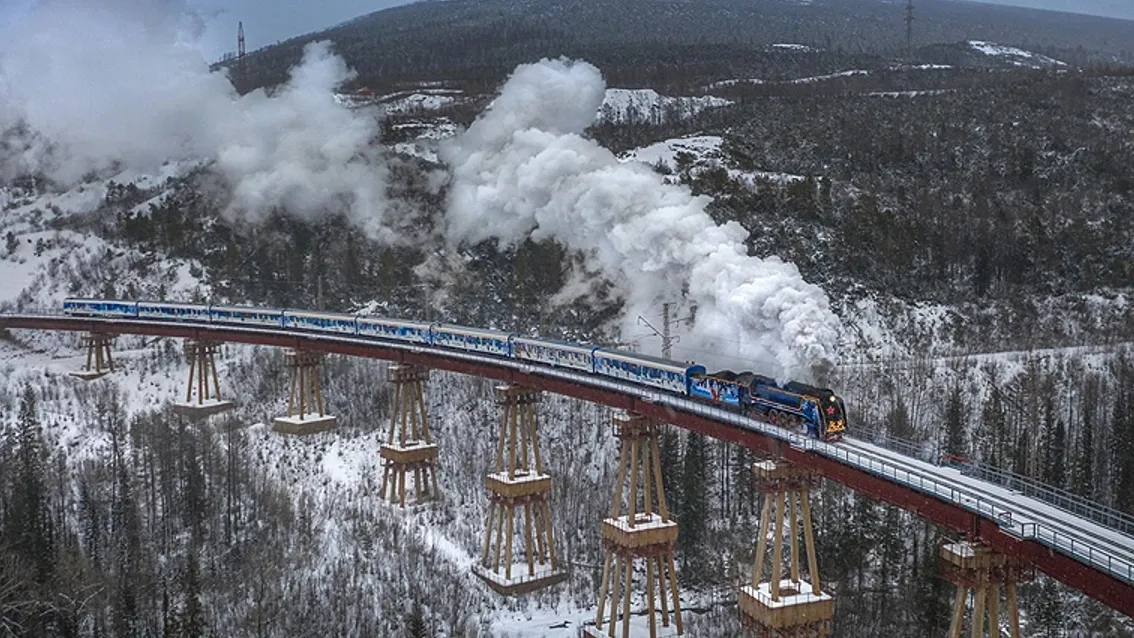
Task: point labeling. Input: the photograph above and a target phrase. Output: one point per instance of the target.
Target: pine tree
(127, 552)
(742, 482)
(1083, 479)
(931, 598)
(1046, 612)
(994, 426)
(415, 622)
(35, 536)
(898, 423)
(693, 515)
(192, 622)
(670, 452)
(1122, 450)
(955, 443)
(1055, 472)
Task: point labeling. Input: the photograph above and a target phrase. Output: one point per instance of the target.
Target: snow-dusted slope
(1014, 56)
(42, 264)
(699, 153)
(403, 102)
(648, 106)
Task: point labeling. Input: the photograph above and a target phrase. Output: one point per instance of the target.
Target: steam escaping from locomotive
(101, 86)
(524, 170)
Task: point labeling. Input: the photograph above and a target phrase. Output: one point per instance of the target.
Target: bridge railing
(980, 504)
(1063, 499)
(1083, 551)
(925, 451)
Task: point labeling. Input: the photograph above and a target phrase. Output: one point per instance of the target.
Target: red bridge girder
(1096, 584)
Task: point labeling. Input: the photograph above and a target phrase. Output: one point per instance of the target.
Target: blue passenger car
(242, 315)
(557, 353)
(173, 311)
(320, 321)
(394, 329)
(720, 387)
(644, 369)
(100, 308)
(472, 339)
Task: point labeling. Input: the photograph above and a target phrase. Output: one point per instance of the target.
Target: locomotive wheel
(774, 417)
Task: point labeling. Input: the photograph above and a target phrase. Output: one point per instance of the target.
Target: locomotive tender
(817, 411)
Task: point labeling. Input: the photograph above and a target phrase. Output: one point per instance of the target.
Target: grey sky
(1109, 8)
(267, 21)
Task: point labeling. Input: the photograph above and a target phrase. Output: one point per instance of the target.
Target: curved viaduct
(1095, 558)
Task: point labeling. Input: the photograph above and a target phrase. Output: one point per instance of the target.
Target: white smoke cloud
(94, 84)
(522, 169)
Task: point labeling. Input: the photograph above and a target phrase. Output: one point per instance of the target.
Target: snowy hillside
(697, 154)
(1014, 56)
(417, 101)
(625, 106)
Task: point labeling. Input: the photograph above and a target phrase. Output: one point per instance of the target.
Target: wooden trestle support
(980, 569)
(645, 531)
(408, 447)
(306, 394)
(518, 483)
(99, 362)
(203, 378)
(778, 607)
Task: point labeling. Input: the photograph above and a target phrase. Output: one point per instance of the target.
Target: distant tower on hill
(909, 31)
(241, 71)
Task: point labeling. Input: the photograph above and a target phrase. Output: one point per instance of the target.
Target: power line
(666, 333)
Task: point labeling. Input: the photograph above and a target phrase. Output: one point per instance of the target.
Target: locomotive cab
(834, 415)
(832, 410)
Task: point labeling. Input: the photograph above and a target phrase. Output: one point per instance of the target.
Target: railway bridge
(1006, 533)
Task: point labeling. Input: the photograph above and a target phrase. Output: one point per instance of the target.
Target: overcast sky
(267, 21)
(1109, 8)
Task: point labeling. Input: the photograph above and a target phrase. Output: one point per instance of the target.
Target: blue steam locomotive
(817, 411)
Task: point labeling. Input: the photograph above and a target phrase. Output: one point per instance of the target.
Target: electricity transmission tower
(909, 30)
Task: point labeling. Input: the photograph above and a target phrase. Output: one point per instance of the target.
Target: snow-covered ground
(727, 83)
(1015, 56)
(419, 102)
(416, 101)
(430, 132)
(829, 76)
(648, 106)
(699, 153)
(800, 48)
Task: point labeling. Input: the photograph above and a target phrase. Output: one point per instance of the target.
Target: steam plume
(522, 169)
(91, 85)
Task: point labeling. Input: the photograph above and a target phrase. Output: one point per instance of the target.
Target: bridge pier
(778, 607)
(306, 394)
(646, 531)
(202, 370)
(977, 568)
(519, 483)
(99, 362)
(408, 447)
